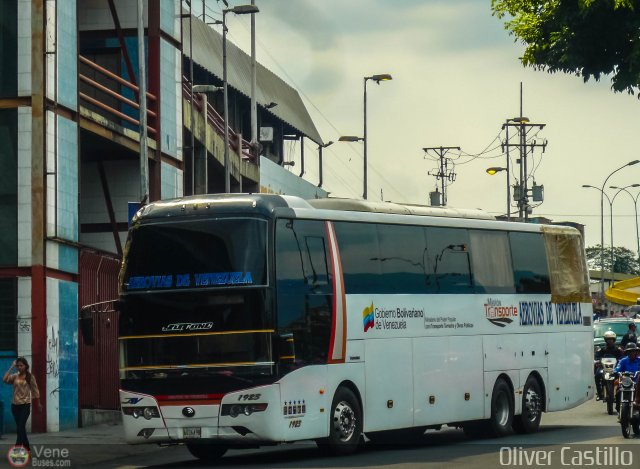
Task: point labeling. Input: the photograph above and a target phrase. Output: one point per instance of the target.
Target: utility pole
(521, 191)
(443, 173)
(254, 108)
(523, 126)
(142, 97)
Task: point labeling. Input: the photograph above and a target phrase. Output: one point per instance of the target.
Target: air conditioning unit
(266, 134)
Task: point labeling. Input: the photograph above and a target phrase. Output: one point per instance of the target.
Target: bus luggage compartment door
(388, 377)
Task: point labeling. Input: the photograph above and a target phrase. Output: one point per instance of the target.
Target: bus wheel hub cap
(344, 421)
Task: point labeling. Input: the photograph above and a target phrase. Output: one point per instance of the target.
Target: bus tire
(502, 409)
(529, 420)
(207, 452)
(345, 424)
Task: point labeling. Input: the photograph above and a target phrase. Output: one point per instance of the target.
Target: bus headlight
(146, 412)
(233, 410)
(150, 412)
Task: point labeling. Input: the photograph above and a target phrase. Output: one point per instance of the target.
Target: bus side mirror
(86, 325)
(285, 348)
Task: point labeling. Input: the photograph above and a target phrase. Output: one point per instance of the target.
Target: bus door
(304, 296)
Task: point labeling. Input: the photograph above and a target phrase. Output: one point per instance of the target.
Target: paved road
(581, 430)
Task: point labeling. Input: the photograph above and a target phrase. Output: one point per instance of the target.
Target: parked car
(618, 325)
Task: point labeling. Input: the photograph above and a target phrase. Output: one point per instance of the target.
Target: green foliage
(625, 261)
(589, 38)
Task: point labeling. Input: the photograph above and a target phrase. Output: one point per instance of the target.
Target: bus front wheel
(207, 452)
(345, 424)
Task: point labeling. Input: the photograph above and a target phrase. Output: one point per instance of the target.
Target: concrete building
(70, 165)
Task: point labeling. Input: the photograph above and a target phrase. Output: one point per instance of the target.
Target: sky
(456, 79)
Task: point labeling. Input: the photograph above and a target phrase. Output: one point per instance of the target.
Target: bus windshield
(196, 254)
(195, 302)
(204, 333)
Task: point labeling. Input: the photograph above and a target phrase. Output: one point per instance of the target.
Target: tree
(589, 38)
(625, 261)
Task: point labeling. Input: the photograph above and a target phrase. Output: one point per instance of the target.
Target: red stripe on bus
(338, 296)
(333, 283)
(190, 397)
(190, 402)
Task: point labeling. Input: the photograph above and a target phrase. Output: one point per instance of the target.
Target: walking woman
(25, 390)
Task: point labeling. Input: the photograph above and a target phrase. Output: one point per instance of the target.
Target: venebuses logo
(499, 315)
(367, 317)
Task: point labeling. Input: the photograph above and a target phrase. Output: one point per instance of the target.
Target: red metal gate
(98, 378)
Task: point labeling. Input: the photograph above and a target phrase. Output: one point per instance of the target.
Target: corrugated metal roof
(207, 52)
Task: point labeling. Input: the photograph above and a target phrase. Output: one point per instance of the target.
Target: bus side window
(403, 257)
(449, 261)
(316, 271)
(529, 263)
(491, 262)
(304, 288)
(567, 267)
(360, 254)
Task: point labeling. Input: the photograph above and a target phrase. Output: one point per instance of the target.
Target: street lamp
(320, 148)
(603, 193)
(496, 169)
(377, 78)
(635, 206)
(630, 163)
(238, 10)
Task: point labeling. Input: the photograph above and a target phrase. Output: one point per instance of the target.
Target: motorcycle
(629, 414)
(608, 364)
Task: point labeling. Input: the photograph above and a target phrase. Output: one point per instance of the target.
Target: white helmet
(609, 335)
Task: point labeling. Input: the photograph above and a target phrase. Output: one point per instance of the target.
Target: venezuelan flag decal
(367, 317)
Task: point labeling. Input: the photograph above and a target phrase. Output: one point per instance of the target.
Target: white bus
(249, 320)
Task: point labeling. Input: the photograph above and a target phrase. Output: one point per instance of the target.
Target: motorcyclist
(609, 350)
(629, 363)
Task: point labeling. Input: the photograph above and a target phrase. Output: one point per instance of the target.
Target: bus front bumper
(185, 421)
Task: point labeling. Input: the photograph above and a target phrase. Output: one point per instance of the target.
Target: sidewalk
(86, 446)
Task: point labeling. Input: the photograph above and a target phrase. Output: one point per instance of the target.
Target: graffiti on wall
(53, 352)
(24, 325)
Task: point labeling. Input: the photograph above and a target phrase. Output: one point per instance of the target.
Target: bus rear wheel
(501, 419)
(207, 452)
(345, 424)
(529, 420)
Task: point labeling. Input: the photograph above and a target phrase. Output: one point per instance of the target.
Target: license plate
(191, 432)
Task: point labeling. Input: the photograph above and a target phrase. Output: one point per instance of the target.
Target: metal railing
(242, 147)
(151, 99)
